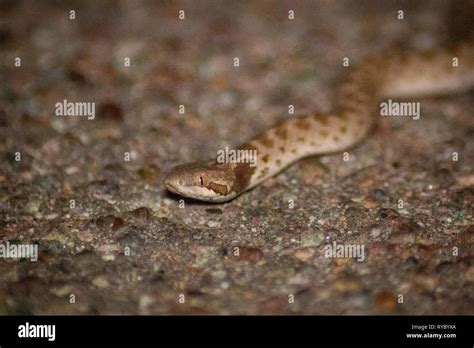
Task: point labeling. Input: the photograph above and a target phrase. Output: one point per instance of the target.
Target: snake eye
(200, 180)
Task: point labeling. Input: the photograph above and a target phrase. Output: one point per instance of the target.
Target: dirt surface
(88, 192)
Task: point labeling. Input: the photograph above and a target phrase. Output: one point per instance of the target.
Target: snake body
(434, 72)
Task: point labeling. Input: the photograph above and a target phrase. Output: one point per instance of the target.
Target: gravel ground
(88, 192)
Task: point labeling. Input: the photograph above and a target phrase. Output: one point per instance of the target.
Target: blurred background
(86, 190)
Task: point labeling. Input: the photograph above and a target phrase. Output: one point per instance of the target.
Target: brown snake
(439, 71)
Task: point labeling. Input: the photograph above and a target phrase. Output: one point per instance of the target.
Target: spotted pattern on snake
(392, 74)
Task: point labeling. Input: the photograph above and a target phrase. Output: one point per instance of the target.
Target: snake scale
(393, 74)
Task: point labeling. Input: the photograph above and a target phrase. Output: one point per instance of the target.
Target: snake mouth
(170, 185)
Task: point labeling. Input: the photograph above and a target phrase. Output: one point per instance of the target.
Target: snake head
(205, 181)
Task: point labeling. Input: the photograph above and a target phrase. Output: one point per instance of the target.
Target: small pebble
(247, 253)
(118, 223)
(213, 224)
(470, 274)
(100, 282)
(347, 284)
(142, 214)
(109, 111)
(33, 206)
(304, 254)
(369, 203)
(386, 300)
(426, 282)
(311, 238)
(375, 232)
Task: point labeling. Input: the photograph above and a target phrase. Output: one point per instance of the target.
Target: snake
(393, 73)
